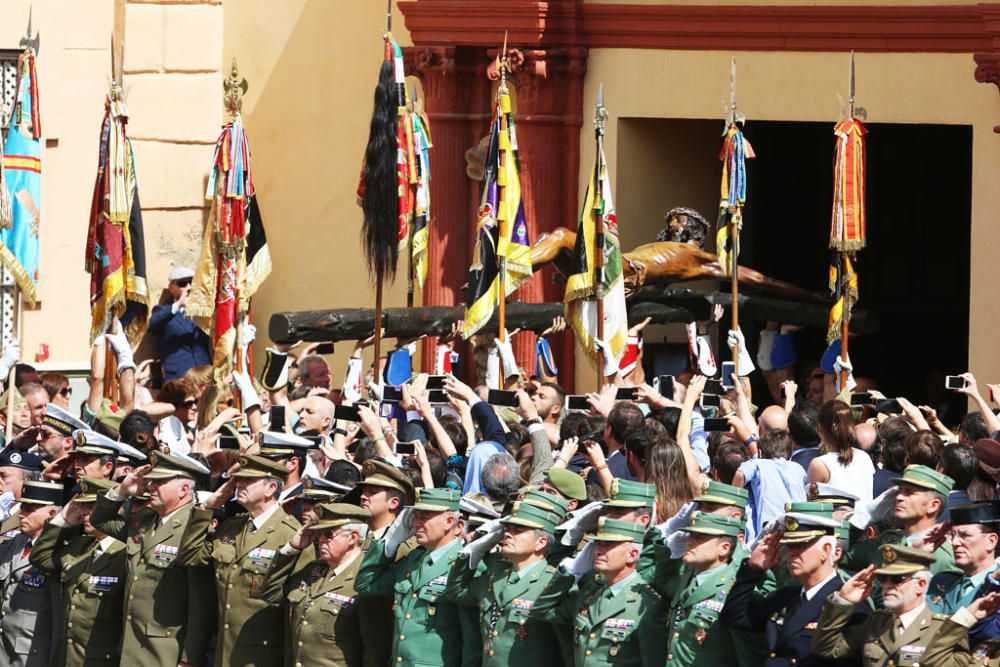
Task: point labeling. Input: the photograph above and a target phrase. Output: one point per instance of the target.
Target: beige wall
(895, 88)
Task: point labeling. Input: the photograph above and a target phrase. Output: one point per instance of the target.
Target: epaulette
(940, 617)
(648, 589)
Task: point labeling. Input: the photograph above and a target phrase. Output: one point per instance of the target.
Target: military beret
(568, 483)
(13, 458)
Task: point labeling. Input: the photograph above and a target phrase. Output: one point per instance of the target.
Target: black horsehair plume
(380, 202)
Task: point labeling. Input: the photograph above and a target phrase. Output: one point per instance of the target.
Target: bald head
(865, 434)
(317, 414)
(773, 418)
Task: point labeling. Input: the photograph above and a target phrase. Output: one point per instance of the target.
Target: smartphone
(156, 374)
(503, 399)
(577, 402)
(713, 387)
(863, 398)
(955, 382)
(626, 394)
(728, 368)
(392, 395)
(276, 421)
(406, 448)
(665, 385)
(435, 381)
(717, 424)
(324, 348)
(437, 396)
(349, 413)
(889, 406)
(711, 401)
(228, 441)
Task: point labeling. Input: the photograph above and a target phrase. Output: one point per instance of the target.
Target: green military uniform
(930, 639)
(617, 624)
(376, 610)
(697, 600)
(29, 615)
(323, 623)
(505, 597)
(92, 572)
(427, 629)
(249, 629)
(169, 613)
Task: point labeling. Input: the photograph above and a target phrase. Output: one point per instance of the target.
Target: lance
(414, 184)
(845, 319)
(734, 229)
(600, 117)
(502, 66)
(117, 89)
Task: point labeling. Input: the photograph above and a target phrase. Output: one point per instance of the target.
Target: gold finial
(502, 65)
(28, 42)
(234, 87)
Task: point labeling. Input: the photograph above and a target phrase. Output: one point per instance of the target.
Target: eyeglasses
(190, 403)
(66, 392)
(894, 579)
(329, 533)
(956, 536)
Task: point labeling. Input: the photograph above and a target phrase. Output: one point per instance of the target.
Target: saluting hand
(857, 589)
(222, 495)
(134, 482)
(985, 606)
(304, 536)
(767, 553)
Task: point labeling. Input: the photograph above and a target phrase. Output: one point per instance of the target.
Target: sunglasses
(329, 533)
(183, 283)
(894, 579)
(189, 403)
(66, 392)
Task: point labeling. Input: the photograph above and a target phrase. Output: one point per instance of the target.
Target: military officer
(633, 501)
(169, 613)
(616, 618)
(241, 551)
(427, 629)
(316, 490)
(322, 622)
(697, 584)
(505, 585)
(29, 625)
(292, 452)
(814, 541)
(973, 539)
(91, 568)
(15, 468)
(905, 632)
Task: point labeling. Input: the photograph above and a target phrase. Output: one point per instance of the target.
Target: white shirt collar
(811, 593)
(171, 515)
(105, 543)
(911, 615)
(345, 564)
(260, 520)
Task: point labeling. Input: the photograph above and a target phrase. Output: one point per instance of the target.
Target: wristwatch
(535, 420)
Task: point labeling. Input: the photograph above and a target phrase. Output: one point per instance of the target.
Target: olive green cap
(550, 501)
(18, 398)
(109, 415)
(91, 487)
(532, 516)
(257, 466)
(897, 559)
(704, 523)
(805, 522)
(928, 478)
(379, 473)
(625, 493)
(437, 500)
(722, 494)
(614, 530)
(331, 515)
(166, 466)
(568, 483)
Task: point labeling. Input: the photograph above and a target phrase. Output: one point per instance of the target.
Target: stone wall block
(193, 38)
(172, 175)
(175, 107)
(144, 32)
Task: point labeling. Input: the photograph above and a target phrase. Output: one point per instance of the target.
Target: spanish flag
(502, 229)
(847, 221)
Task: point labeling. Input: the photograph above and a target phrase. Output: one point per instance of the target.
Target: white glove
(483, 544)
(769, 527)
(736, 341)
(375, 390)
(248, 395)
(7, 501)
(11, 355)
(677, 543)
(119, 341)
(581, 563)
(875, 510)
(581, 522)
(400, 531)
(764, 350)
(841, 365)
(493, 367)
(506, 351)
(248, 333)
(705, 357)
(610, 363)
(680, 520)
(352, 380)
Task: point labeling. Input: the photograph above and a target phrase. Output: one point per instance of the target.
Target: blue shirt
(771, 483)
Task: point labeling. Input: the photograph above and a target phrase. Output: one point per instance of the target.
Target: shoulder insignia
(940, 617)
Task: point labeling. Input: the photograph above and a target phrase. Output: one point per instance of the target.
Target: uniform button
(305, 622)
(670, 656)
(72, 607)
(593, 636)
(142, 561)
(135, 578)
(69, 641)
(167, 633)
(402, 637)
(772, 654)
(588, 652)
(129, 617)
(235, 566)
(265, 642)
(496, 634)
(229, 586)
(225, 626)
(794, 661)
(69, 625)
(492, 653)
(407, 617)
(399, 658)
(300, 643)
(131, 597)
(228, 606)
(677, 634)
(414, 596)
(298, 664)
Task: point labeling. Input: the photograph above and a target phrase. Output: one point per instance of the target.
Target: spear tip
(600, 94)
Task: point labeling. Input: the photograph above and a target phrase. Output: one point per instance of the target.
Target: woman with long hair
(665, 469)
(841, 463)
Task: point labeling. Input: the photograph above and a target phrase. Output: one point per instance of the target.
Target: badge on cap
(81, 439)
(888, 553)
(15, 457)
(791, 523)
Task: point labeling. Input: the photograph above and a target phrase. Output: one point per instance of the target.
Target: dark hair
(728, 459)
(175, 391)
(775, 445)
(923, 448)
(595, 494)
(972, 428)
(558, 389)
(669, 417)
(892, 435)
(639, 440)
(137, 430)
(623, 418)
(342, 472)
(453, 427)
(802, 424)
(53, 382)
(365, 451)
(515, 438)
(439, 471)
(960, 463)
(570, 423)
(837, 422)
(20, 370)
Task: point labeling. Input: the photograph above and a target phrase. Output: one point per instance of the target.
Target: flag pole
(110, 356)
(501, 198)
(845, 319)
(600, 116)
(734, 285)
(13, 369)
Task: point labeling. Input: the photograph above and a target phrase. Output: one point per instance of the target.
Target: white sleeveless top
(856, 477)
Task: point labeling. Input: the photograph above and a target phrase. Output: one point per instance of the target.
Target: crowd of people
(405, 518)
